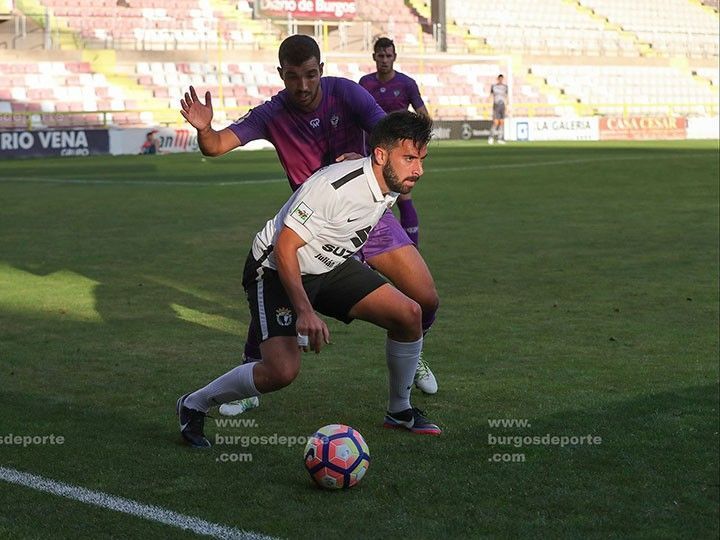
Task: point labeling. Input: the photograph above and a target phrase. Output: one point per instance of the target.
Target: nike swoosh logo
(350, 220)
(183, 426)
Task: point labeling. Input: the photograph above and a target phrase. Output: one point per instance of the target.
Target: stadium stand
(539, 27)
(409, 28)
(49, 90)
(672, 27)
(710, 74)
(156, 24)
(563, 57)
(6, 9)
(614, 89)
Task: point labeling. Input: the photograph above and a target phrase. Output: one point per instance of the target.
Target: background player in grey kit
(499, 93)
(290, 272)
(395, 91)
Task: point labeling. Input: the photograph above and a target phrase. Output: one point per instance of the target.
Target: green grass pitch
(579, 294)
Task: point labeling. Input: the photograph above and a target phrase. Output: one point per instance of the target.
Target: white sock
(402, 361)
(235, 384)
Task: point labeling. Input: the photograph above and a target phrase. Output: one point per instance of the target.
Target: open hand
(197, 113)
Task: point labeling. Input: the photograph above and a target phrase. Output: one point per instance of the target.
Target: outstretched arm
(199, 115)
(288, 267)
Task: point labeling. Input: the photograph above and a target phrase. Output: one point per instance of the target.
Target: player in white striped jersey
(302, 261)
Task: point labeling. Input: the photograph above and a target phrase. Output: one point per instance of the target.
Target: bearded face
(393, 181)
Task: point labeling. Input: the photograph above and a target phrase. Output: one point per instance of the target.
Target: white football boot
(233, 408)
(424, 378)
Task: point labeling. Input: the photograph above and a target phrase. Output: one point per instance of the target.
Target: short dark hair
(399, 126)
(295, 50)
(383, 43)
(501, 76)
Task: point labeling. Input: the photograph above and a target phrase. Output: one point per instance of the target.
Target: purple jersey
(307, 141)
(395, 94)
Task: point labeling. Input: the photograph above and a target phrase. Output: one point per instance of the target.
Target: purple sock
(409, 220)
(252, 344)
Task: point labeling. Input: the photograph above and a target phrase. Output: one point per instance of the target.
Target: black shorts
(333, 294)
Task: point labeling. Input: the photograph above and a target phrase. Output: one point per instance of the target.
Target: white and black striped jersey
(333, 211)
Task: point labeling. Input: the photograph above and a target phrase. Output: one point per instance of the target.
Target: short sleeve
(253, 125)
(313, 208)
(365, 108)
(414, 94)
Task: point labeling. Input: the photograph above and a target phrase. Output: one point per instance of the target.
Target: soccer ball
(336, 456)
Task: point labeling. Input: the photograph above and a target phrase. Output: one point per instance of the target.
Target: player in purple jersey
(395, 91)
(312, 123)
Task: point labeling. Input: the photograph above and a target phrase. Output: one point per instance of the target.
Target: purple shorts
(387, 235)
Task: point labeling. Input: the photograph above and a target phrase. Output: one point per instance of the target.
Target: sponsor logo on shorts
(302, 213)
(334, 120)
(284, 316)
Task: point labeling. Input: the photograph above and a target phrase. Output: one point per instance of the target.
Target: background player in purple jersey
(312, 123)
(395, 91)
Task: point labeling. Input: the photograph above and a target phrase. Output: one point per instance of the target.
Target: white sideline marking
(127, 506)
(191, 183)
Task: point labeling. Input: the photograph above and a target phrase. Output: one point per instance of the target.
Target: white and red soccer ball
(336, 456)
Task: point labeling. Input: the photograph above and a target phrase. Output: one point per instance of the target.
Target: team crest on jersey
(315, 122)
(334, 120)
(396, 93)
(302, 213)
(383, 89)
(283, 316)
